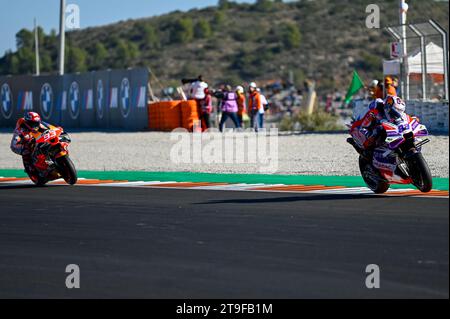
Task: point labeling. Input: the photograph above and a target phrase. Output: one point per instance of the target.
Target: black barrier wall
(113, 99)
(16, 96)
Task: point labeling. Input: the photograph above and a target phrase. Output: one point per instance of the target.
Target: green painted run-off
(348, 181)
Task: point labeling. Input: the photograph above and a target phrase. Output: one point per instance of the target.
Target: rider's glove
(365, 131)
(27, 138)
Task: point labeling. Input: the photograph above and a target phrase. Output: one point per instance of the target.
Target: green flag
(357, 84)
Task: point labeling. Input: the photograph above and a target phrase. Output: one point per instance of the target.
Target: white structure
(434, 64)
(434, 60)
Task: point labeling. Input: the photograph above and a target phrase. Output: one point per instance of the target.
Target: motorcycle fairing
(396, 133)
(387, 162)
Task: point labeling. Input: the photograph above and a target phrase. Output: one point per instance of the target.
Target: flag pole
(36, 48)
(62, 36)
(403, 18)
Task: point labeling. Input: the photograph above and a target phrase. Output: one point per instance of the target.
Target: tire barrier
(167, 116)
(113, 99)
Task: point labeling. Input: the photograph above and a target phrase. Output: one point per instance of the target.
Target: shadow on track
(26, 186)
(300, 198)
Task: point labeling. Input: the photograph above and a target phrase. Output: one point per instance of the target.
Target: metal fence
(423, 70)
(113, 99)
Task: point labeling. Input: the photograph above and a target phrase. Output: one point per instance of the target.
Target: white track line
(129, 184)
(236, 187)
(22, 182)
(350, 190)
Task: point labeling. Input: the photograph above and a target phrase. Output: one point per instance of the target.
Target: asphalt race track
(165, 243)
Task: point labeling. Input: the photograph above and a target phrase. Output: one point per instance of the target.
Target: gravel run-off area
(302, 154)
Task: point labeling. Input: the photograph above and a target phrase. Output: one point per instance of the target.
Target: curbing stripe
(276, 188)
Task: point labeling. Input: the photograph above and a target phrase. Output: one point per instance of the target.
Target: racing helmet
(394, 108)
(32, 121)
(374, 84)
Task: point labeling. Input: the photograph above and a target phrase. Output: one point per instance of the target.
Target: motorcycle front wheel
(67, 170)
(372, 177)
(420, 173)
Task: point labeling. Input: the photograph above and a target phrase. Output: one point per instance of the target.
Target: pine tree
(203, 29)
(291, 36)
(183, 31)
(100, 55)
(77, 60)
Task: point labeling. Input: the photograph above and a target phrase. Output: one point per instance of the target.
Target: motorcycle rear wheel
(372, 177)
(68, 171)
(420, 173)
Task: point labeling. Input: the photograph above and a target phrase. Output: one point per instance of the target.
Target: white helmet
(374, 83)
(394, 107)
(253, 85)
(240, 89)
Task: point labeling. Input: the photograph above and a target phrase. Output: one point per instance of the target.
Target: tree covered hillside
(321, 39)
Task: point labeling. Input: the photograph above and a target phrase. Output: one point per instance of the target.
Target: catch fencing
(423, 63)
(113, 99)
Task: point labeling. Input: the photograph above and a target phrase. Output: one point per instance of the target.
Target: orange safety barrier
(164, 116)
(189, 114)
(169, 115)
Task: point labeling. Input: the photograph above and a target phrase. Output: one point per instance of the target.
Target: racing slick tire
(420, 173)
(67, 170)
(372, 177)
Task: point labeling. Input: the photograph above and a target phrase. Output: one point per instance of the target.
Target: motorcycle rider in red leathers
(367, 132)
(27, 130)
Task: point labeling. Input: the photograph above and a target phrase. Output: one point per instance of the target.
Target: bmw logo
(125, 99)
(46, 100)
(6, 100)
(100, 99)
(74, 100)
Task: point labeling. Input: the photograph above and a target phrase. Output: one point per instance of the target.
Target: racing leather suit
(23, 142)
(367, 131)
